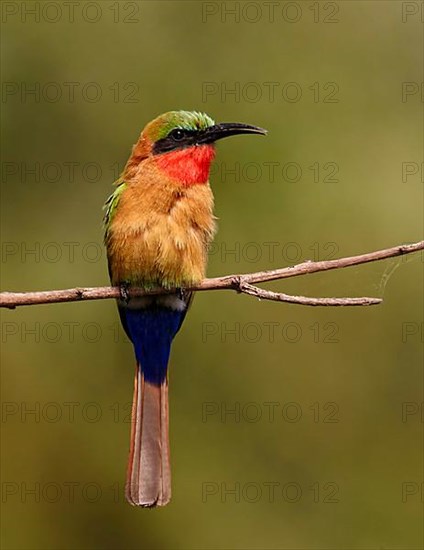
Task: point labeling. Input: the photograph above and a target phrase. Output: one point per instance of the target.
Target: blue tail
(151, 331)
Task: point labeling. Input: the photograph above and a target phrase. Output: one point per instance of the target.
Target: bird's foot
(123, 291)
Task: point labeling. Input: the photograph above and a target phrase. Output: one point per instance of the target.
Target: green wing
(110, 207)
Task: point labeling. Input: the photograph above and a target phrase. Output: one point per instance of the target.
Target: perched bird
(158, 225)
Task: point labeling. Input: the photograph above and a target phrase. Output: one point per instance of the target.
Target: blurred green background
(343, 450)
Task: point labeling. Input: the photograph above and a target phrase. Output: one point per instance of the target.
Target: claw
(123, 291)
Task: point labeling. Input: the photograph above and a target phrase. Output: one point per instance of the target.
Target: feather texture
(149, 472)
(159, 230)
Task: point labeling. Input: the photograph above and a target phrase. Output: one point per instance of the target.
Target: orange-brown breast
(160, 231)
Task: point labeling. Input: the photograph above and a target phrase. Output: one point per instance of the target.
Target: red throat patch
(189, 165)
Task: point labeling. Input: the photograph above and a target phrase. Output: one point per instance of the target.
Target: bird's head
(181, 144)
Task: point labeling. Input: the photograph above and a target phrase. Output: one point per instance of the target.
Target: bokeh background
(339, 463)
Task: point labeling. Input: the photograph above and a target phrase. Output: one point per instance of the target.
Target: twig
(247, 288)
(240, 283)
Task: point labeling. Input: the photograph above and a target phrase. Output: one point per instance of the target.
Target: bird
(158, 225)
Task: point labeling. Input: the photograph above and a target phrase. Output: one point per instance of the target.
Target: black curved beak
(227, 129)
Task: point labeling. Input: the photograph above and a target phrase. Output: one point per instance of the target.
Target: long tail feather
(149, 472)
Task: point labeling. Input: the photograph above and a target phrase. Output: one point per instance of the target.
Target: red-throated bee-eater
(158, 225)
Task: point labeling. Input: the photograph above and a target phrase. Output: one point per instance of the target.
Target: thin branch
(262, 294)
(240, 283)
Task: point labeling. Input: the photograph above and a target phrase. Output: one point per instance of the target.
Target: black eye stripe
(176, 139)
